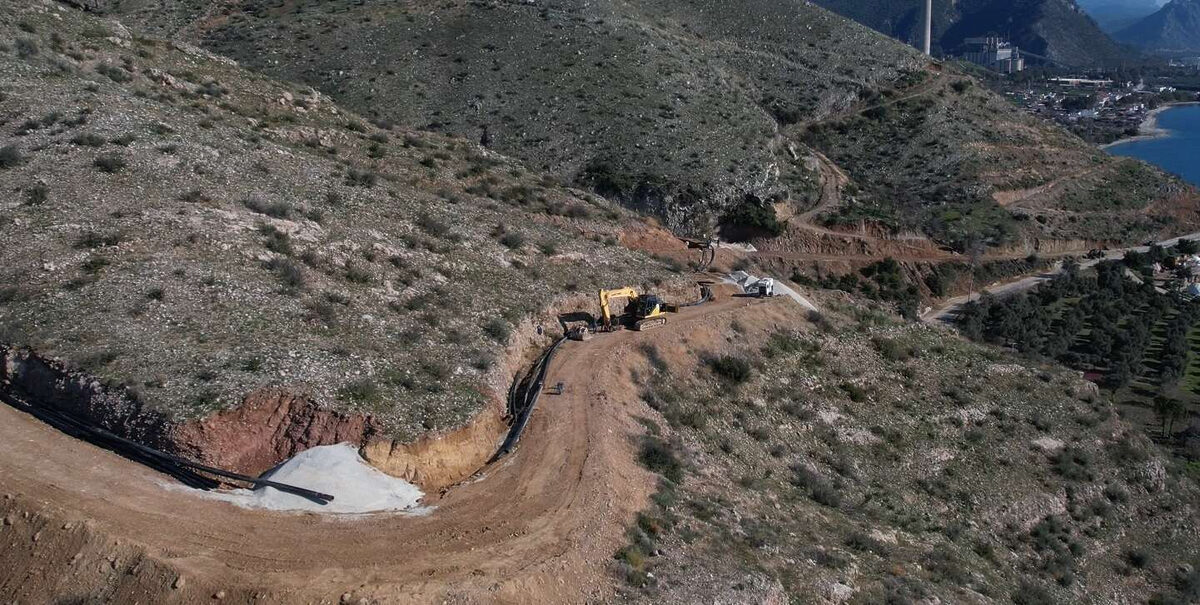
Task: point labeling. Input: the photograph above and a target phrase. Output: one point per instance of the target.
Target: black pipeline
(181, 468)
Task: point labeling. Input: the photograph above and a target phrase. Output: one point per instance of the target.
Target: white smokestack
(928, 24)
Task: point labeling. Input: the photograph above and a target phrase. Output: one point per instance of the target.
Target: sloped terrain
(197, 236)
(948, 158)
(856, 460)
(538, 526)
(1056, 29)
(695, 111)
(851, 459)
(210, 255)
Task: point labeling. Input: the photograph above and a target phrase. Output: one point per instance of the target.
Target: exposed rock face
(271, 425)
(51, 383)
(437, 461)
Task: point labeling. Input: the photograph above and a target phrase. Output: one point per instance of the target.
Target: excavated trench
(272, 425)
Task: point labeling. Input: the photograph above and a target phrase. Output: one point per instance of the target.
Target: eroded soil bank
(271, 425)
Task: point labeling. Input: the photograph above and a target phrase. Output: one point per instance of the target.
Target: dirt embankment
(271, 425)
(77, 560)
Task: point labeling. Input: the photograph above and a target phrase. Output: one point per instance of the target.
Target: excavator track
(649, 324)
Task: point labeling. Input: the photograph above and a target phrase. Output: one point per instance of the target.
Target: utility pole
(928, 24)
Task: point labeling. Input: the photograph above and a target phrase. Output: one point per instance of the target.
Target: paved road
(947, 310)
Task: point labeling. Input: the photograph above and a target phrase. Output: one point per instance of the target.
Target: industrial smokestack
(928, 24)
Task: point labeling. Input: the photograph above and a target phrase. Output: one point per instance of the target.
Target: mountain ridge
(1114, 15)
(1056, 29)
(691, 111)
(1173, 28)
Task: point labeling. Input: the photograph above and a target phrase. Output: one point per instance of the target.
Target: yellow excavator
(644, 311)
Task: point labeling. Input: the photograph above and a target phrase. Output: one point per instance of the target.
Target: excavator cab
(644, 306)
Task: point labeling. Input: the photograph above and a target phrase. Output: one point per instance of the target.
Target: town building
(1082, 82)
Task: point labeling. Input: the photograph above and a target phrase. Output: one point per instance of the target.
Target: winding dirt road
(947, 310)
(539, 526)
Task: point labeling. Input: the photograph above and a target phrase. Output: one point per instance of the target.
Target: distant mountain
(1115, 15)
(1176, 27)
(1056, 29)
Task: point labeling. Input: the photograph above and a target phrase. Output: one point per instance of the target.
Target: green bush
(116, 74)
(361, 178)
(26, 48)
(752, 218)
(658, 456)
(89, 139)
(734, 369)
(10, 157)
(110, 163)
(94, 239)
(277, 241)
(356, 273)
(1073, 464)
(892, 350)
(288, 271)
(37, 195)
(363, 390)
(512, 240)
(498, 330)
(280, 209)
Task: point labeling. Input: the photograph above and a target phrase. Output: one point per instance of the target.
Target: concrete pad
(337, 470)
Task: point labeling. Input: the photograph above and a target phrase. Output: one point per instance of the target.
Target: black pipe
(705, 296)
(181, 468)
(523, 399)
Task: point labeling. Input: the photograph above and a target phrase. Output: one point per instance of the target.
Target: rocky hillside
(861, 461)
(1056, 29)
(1174, 28)
(200, 234)
(698, 111)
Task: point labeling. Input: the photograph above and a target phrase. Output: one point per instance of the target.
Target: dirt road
(945, 311)
(538, 526)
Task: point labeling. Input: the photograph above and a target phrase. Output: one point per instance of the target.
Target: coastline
(1148, 129)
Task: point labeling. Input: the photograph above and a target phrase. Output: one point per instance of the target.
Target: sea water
(1178, 152)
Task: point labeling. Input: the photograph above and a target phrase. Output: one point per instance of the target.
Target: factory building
(994, 53)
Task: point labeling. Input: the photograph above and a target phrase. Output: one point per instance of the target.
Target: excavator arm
(606, 298)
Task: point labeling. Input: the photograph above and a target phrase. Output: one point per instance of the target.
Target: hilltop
(699, 112)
